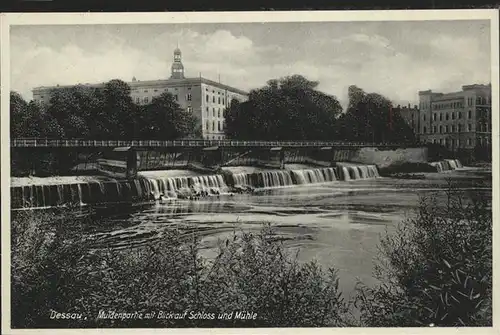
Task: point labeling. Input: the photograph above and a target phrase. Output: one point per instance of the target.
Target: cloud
(394, 62)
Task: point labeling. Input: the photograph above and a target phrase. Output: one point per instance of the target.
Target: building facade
(411, 116)
(205, 98)
(458, 120)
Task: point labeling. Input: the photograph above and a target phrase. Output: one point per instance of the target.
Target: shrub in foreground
(53, 270)
(436, 269)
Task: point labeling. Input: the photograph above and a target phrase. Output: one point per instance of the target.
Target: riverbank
(339, 229)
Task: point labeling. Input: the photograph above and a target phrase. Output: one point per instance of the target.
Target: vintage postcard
(320, 171)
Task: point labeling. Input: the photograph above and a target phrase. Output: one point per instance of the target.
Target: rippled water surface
(338, 223)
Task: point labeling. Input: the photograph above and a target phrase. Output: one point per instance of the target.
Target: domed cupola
(177, 67)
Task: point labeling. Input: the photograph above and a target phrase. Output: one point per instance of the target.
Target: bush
(436, 269)
(54, 269)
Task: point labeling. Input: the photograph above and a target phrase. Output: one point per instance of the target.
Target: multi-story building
(205, 98)
(458, 120)
(410, 115)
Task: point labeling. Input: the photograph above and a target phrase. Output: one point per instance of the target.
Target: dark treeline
(291, 108)
(109, 113)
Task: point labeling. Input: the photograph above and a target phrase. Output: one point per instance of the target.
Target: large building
(458, 120)
(205, 98)
(410, 115)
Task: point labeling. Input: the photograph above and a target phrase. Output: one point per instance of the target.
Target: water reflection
(337, 224)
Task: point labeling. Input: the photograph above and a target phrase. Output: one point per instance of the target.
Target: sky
(396, 59)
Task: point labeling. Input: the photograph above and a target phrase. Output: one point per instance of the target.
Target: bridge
(81, 143)
(124, 158)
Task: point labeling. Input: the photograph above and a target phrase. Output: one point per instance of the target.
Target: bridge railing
(47, 142)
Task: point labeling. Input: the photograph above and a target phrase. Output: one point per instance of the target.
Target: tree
(371, 118)
(164, 119)
(435, 268)
(18, 107)
(119, 111)
(76, 109)
(289, 108)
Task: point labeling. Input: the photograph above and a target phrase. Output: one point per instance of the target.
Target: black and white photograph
(263, 170)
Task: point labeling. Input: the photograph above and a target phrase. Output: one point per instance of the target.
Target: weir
(447, 165)
(155, 186)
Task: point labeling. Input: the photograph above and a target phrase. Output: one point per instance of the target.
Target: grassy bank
(435, 269)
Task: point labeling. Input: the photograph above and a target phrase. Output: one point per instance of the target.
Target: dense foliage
(289, 108)
(100, 113)
(436, 269)
(371, 118)
(54, 270)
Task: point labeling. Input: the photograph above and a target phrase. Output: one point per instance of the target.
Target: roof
(152, 83)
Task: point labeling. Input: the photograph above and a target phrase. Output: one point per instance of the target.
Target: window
(207, 111)
(424, 130)
(453, 128)
(441, 141)
(146, 100)
(189, 109)
(469, 127)
(223, 101)
(424, 117)
(440, 129)
(213, 112)
(459, 115)
(486, 127)
(213, 125)
(459, 128)
(176, 97)
(446, 129)
(213, 99)
(156, 90)
(469, 141)
(206, 98)
(137, 100)
(219, 126)
(188, 97)
(458, 143)
(435, 116)
(218, 100)
(208, 126)
(447, 116)
(453, 115)
(434, 129)
(145, 91)
(470, 114)
(218, 112)
(440, 116)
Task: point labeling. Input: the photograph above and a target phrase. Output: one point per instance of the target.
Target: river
(338, 223)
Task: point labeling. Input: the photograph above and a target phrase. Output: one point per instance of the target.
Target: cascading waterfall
(315, 176)
(447, 165)
(281, 178)
(146, 189)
